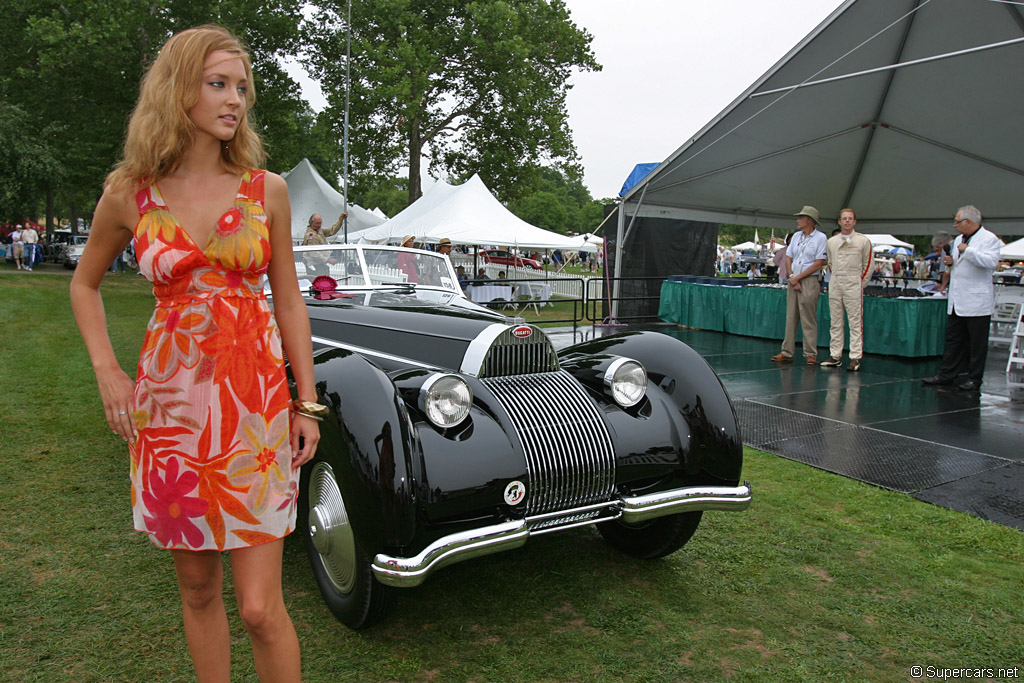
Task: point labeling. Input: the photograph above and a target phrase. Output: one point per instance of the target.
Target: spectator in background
(941, 243)
(972, 260)
(805, 256)
(17, 247)
(779, 259)
(316, 234)
(753, 272)
(849, 260)
(481, 275)
(444, 246)
(30, 238)
(407, 261)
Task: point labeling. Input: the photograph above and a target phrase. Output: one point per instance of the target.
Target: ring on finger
(122, 412)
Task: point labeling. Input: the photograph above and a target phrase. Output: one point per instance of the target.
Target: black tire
(653, 539)
(341, 568)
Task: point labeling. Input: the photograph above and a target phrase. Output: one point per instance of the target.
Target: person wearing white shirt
(805, 256)
(973, 258)
(17, 247)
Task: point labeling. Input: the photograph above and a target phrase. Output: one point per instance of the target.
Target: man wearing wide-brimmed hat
(444, 246)
(805, 256)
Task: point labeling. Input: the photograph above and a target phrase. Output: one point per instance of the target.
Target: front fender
(366, 439)
(687, 385)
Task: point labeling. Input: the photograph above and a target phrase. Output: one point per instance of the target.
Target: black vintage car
(455, 431)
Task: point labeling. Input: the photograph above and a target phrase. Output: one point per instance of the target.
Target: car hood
(400, 330)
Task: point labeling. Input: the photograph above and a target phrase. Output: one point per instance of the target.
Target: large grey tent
(902, 109)
(309, 193)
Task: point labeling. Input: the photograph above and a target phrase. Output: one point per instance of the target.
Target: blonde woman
(215, 441)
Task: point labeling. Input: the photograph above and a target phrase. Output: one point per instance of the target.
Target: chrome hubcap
(330, 530)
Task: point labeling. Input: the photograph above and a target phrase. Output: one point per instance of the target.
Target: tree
(74, 66)
(390, 194)
(478, 86)
(28, 162)
(559, 201)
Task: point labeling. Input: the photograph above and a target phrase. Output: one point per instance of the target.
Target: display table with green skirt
(898, 327)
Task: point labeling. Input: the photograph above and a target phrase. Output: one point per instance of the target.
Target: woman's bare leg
(257, 578)
(201, 583)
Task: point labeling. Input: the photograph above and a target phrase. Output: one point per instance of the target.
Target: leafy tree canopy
(559, 202)
(73, 67)
(27, 162)
(476, 86)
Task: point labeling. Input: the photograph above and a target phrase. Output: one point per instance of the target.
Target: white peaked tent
(1013, 250)
(888, 241)
(465, 214)
(903, 109)
(309, 193)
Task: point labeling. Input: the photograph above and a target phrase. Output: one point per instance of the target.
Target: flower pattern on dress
(211, 468)
(172, 508)
(260, 463)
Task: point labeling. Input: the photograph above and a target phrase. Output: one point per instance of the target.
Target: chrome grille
(569, 456)
(511, 355)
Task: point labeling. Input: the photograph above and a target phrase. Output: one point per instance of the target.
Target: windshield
(357, 266)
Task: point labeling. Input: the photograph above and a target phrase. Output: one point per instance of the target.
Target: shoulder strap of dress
(251, 186)
(145, 199)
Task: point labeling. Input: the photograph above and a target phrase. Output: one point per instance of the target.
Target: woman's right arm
(111, 232)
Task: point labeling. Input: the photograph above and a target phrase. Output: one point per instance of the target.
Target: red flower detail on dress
(172, 507)
(230, 223)
(264, 459)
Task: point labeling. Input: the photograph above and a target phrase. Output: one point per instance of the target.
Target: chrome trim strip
(363, 351)
(407, 572)
(473, 359)
(412, 571)
(637, 509)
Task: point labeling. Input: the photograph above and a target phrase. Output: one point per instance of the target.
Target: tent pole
(620, 232)
(891, 67)
(348, 89)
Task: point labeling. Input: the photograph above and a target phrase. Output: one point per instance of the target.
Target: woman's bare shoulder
(117, 207)
(274, 183)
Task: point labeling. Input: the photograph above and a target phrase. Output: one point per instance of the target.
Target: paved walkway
(881, 425)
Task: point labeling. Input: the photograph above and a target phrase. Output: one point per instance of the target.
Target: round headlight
(446, 400)
(626, 381)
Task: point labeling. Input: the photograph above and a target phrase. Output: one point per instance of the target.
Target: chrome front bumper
(407, 572)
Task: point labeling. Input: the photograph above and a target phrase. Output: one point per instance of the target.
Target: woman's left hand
(308, 430)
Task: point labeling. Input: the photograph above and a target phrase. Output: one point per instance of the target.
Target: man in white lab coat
(974, 257)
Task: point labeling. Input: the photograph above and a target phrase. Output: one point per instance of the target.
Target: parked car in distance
(507, 258)
(455, 432)
(72, 250)
(1009, 276)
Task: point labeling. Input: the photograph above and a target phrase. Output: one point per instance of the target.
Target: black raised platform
(959, 450)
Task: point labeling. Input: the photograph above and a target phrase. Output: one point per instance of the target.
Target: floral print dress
(211, 468)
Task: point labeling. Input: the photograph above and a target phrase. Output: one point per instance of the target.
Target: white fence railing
(562, 284)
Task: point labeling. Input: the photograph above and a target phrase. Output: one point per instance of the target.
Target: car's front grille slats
(569, 456)
(511, 355)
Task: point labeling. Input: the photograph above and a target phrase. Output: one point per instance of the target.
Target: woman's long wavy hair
(160, 130)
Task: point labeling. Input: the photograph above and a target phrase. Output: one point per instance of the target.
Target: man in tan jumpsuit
(317, 262)
(850, 260)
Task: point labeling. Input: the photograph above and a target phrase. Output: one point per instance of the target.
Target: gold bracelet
(317, 411)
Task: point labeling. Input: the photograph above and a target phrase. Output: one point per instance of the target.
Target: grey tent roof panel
(906, 146)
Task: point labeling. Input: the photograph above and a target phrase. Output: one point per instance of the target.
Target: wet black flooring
(881, 425)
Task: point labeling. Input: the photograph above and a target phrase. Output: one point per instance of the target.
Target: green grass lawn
(822, 578)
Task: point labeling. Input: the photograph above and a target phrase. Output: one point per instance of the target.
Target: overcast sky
(670, 66)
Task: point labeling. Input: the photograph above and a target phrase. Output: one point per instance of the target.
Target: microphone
(947, 249)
